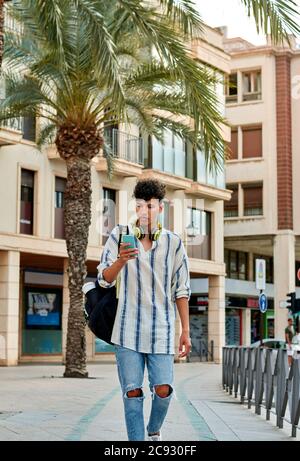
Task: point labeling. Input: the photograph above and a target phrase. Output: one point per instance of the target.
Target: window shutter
(233, 145)
(252, 142)
(233, 203)
(253, 197)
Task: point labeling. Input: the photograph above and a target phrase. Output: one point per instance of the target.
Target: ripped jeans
(131, 367)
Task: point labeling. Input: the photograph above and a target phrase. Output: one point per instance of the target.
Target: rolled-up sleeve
(108, 257)
(181, 275)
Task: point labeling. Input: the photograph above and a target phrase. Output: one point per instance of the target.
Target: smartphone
(129, 239)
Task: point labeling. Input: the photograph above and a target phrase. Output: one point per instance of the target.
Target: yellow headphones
(139, 232)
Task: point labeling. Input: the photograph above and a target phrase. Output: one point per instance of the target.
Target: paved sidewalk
(36, 403)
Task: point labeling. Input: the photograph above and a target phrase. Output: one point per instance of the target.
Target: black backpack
(101, 307)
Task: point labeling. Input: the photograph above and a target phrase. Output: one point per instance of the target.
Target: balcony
(11, 131)
(52, 152)
(172, 181)
(14, 130)
(209, 192)
(127, 151)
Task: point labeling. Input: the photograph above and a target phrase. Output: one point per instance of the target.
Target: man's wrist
(119, 263)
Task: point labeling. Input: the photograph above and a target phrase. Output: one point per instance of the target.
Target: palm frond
(46, 135)
(279, 18)
(25, 95)
(42, 20)
(184, 14)
(95, 30)
(109, 156)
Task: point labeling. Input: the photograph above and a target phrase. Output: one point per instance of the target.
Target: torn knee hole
(135, 393)
(163, 390)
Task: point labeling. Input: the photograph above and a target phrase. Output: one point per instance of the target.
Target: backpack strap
(120, 236)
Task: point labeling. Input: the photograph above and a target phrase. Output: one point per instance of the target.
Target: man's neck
(147, 229)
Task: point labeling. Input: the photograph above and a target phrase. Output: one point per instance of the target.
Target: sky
(233, 14)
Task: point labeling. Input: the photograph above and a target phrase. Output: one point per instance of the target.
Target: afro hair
(146, 189)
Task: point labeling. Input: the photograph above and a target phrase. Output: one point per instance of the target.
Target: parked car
(270, 343)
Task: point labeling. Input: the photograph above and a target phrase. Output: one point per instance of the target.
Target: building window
(169, 156)
(110, 135)
(203, 175)
(198, 234)
(60, 185)
(251, 85)
(232, 88)
(253, 199)
(108, 213)
(231, 208)
(29, 128)
(27, 202)
(269, 267)
(236, 264)
(252, 142)
(233, 145)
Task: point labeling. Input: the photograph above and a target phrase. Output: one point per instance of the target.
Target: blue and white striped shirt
(149, 286)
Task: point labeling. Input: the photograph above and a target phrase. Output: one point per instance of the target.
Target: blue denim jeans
(131, 367)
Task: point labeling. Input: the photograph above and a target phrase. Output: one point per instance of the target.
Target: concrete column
(96, 210)
(284, 277)
(65, 311)
(250, 267)
(216, 315)
(240, 86)
(240, 143)
(9, 307)
(217, 240)
(246, 319)
(240, 201)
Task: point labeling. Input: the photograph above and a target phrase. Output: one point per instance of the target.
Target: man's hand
(127, 254)
(185, 344)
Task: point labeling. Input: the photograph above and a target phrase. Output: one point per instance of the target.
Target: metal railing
(263, 378)
(16, 123)
(125, 146)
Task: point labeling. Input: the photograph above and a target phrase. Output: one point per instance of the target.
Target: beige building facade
(262, 220)
(34, 299)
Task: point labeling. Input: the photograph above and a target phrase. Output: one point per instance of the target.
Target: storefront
(41, 319)
(256, 321)
(233, 327)
(199, 325)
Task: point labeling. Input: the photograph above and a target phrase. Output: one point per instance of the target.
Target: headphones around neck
(140, 233)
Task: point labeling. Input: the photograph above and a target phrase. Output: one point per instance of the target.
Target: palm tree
(55, 72)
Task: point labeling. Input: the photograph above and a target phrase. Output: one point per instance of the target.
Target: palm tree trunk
(77, 147)
(1, 30)
(77, 223)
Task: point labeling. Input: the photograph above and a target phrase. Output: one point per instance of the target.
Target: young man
(154, 280)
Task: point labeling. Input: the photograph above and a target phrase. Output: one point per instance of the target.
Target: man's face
(148, 212)
(290, 322)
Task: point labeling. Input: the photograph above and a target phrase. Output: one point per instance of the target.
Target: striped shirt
(149, 286)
